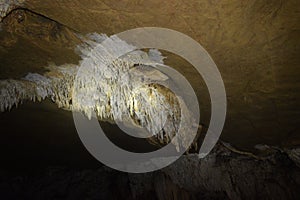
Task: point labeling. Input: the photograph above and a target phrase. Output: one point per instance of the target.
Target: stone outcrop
(223, 174)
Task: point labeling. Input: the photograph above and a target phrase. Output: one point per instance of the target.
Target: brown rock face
(254, 43)
(29, 42)
(221, 175)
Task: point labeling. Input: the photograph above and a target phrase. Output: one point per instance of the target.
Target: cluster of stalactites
(107, 84)
(13, 92)
(33, 87)
(114, 81)
(56, 85)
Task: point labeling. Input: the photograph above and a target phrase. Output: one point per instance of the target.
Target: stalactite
(113, 88)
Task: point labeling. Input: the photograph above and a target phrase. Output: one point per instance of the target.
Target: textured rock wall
(254, 43)
(224, 174)
(7, 6)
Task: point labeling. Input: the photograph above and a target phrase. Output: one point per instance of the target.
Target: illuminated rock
(113, 86)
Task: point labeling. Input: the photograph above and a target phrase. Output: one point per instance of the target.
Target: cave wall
(254, 43)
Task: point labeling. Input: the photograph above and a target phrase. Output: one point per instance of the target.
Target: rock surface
(254, 43)
(221, 175)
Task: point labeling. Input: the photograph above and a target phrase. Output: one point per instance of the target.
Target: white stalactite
(112, 88)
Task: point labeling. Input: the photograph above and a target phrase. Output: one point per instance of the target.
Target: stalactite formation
(125, 88)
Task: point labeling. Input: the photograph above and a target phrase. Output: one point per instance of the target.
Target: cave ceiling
(254, 43)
